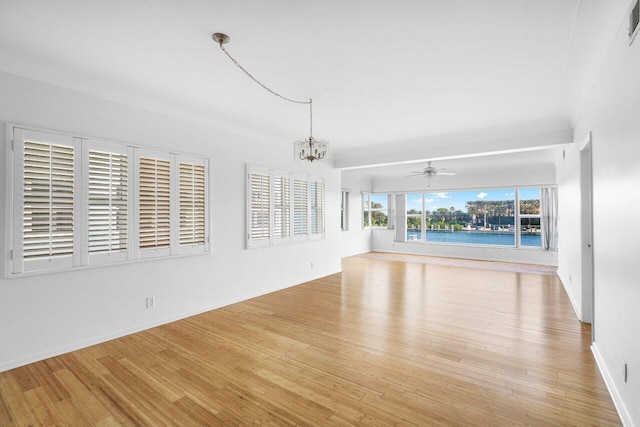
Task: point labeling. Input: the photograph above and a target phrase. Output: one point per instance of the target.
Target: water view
(477, 238)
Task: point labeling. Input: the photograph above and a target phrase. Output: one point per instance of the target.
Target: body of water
(477, 238)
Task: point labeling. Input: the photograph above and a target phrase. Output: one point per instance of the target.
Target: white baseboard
(16, 363)
(576, 308)
(624, 414)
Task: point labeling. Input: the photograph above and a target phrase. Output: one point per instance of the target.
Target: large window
(80, 202)
(283, 207)
(479, 217)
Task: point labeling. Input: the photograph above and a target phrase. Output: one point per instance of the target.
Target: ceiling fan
(429, 172)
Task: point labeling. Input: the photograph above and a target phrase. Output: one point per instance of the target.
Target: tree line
(479, 213)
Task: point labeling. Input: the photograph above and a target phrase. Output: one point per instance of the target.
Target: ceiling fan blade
(446, 173)
(413, 174)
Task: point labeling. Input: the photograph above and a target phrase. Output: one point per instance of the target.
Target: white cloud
(482, 195)
(416, 201)
(428, 200)
(443, 195)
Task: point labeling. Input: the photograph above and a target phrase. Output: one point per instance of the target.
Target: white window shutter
(154, 204)
(281, 205)
(300, 208)
(192, 212)
(259, 202)
(317, 207)
(108, 197)
(46, 199)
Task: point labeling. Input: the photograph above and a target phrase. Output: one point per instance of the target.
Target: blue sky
(459, 199)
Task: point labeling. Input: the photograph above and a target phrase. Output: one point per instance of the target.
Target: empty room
(319, 213)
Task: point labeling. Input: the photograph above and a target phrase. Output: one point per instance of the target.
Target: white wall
(355, 240)
(612, 113)
(569, 225)
(383, 240)
(50, 314)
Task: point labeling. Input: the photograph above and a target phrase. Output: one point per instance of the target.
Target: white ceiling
(378, 71)
(470, 165)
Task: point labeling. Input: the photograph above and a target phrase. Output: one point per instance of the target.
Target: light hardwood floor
(386, 342)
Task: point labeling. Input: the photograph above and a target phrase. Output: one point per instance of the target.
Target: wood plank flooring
(386, 343)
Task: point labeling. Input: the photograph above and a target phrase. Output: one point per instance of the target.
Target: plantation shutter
(317, 207)
(154, 203)
(281, 206)
(108, 195)
(300, 207)
(259, 206)
(48, 200)
(192, 204)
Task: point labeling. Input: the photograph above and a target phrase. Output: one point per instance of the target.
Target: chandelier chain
(310, 119)
(268, 89)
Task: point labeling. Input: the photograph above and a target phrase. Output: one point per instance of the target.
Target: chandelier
(310, 149)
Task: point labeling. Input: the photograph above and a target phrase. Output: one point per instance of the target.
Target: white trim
(587, 140)
(623, 413)
(9, 151)
(576, 307)
(174, 205)
(78, 222)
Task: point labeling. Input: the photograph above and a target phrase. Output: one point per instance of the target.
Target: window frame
(521, 216)
(304, 210)
(367, 211)
(517, 218)
(17, 266)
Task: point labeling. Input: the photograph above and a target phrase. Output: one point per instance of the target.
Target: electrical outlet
(151, 302)
(312, 265)
(624, 370)
(570, 279)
